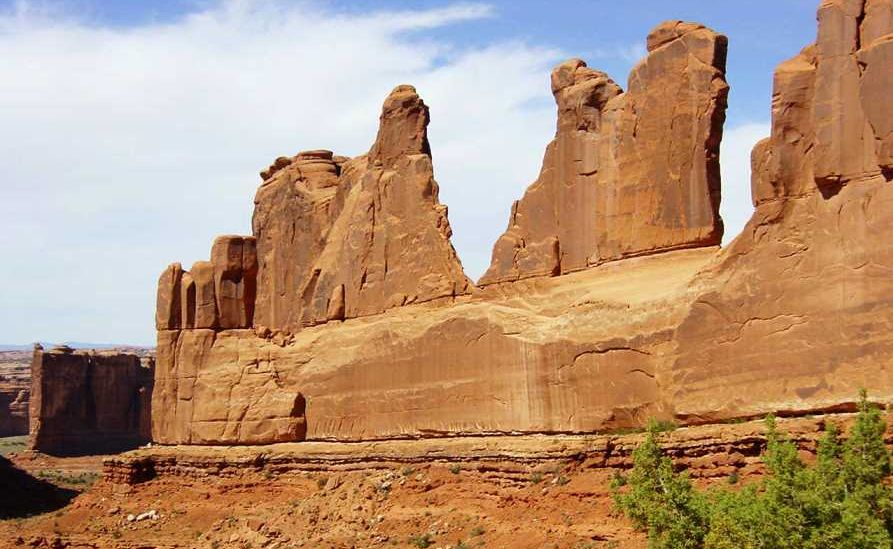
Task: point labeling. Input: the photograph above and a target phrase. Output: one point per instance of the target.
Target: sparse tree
(840, 501)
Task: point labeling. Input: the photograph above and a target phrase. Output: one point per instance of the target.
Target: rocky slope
(513, 492)
(364, 326)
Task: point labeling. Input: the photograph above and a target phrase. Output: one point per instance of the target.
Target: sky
(132, 133)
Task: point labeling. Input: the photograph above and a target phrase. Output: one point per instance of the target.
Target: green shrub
(734, 477)
(840, 501)
(422, 541)
(660, 501)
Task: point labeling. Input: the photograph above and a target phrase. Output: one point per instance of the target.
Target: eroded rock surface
(350, 342)
(89, 401)
(215, 294)
(797, 310)
(15, 387)
(334, 238)
(342, 238)
(571, 354)
(628, 173)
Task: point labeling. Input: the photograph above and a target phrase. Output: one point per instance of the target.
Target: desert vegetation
(841, 500)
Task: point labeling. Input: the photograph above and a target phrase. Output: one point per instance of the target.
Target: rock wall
(628, 173)
(705, 451)
(798, 309)
(792, 316)
(341, 238)
(15, 387)
(334, 239)
(13, 410)
(88, 401)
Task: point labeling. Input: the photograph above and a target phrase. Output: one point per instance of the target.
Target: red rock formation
(207, 392)
(793, 316)
(15, 386)
(88, 401)
(627, 173)
(13, 410)
(344, 238)
(216, 294)
(334, 239)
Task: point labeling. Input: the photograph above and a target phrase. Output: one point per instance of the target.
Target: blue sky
(762, 32)
(135, 130)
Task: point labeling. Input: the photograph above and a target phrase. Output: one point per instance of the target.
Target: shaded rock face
(86, 402)
(13, 410)
(628, 173)
(334, 238)
(15, 387)
(793, 316)
(797, 310)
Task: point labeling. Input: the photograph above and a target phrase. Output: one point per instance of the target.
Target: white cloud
(736, 207)
(631, 54)
(127, 149)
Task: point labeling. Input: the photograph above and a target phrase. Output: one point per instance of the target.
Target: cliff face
(88, 402)
(342, 238)
(13, 410)
(793, 316)
(798, 308)
(628, 173)
(334, 239)
(15, 386)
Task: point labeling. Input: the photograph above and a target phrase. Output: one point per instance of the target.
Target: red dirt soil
(497, 492)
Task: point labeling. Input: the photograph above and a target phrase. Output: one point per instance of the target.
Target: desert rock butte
(347, 316)
(336, 379)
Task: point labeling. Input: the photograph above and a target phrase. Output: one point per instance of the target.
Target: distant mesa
(89, 402)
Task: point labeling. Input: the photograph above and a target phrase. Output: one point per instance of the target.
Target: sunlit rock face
(628, 173)
(796, 313)
(346, 315)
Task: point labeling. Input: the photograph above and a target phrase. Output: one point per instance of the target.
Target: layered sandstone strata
(793, 316)
(705, 451)
(578, 353)
(89, 401)
(334, 239)
(15, 386)
(341, 238)
(798, 309)
(628, 173)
